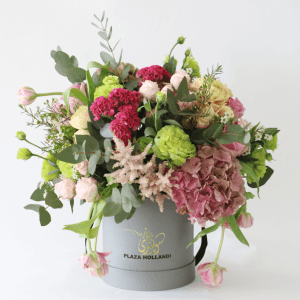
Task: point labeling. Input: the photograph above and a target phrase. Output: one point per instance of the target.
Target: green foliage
(44, 215)
(172, 102)
(72, 204)
(73, 154)
(241, 210)
(91, 144)
(247, 169)
(269, 172)
(121, 216)
(235, 133)
(90, 86)
(149, 131)
(125, 71)
(47, 168)
(131, 85)
(170, 66)
(76, 93)
(249, 195)
(189, 62)
(206, 231)
(111, 209)
(144, 141)
(183, 89)
(65, 169)
(38, 194)
(68, 66)
(52, 200)
(271, 145)
(236, 229)
(172, 122)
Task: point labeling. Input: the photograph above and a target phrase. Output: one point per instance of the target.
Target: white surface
(258, 44)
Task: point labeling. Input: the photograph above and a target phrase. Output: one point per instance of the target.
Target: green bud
(21, 135)
(24, 154)
(160, 97)
(269, 156)
(180, 40)
(188, 52)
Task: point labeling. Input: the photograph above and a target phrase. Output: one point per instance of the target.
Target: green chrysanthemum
(272, 145)
(46, 168)
(258, 166)
(173, 143)
(109, 83)
(65, 168)
(189, 62)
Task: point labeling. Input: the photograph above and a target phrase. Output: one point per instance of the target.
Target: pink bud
(26, 95)
(95, 263)
(245, 220)
(211, 273)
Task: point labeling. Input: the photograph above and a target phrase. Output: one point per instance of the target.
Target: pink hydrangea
(216, 190)
(237, 107)
(153, 73)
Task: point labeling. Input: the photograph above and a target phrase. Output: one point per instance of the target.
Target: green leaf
(126, 204)
(161, 112)
(237, 129)
(94, 64)
(189, 98)
(68, 154)
(102, 17)
(93, 161)
(170, 66)
(108, 58)
(249, 195)
(92, 145)
(116, 196)
(210, 131)
(52, 172)
(263, 180)
(52, 200)
(236, 229)
(149, 131)
(121, 216)
(45, 217)
(34, 207)
(205, 231)
(131, 85)
(111, 209)
(105, 47)
(90, 86)
(96, 79)
(63, 69)
(120, 56)
(116, 44)
(37, 195)
(107, 145)
(249, 171)
(109, 34)
(76, 75)
(226, 138)
(247, 138)
(172, 122)
(183, 89)
(147, 106)
(240, 211)
(271, 131)
(127, 192)
(103, 35)
(72, 204)
(172, 102)
(131, 213)
(73, 60)
(61, 58)
(76, 94)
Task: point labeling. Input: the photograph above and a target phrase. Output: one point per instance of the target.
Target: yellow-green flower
(46, 168)
(65, 168)
(272, 145)
(258, 166)
(21, 135)
(109, 83)
(190, 63)
(24, 154)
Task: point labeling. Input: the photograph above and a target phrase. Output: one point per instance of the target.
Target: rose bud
(181, 40)
(95, 263)
(245, 220)
(211, 273)
(26, 95)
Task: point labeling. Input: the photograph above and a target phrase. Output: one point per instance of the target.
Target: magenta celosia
(121, 130)
(153, 73)
(210, 185)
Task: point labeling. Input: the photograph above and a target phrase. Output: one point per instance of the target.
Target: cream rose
(177, 78)
(149, 89)
(66, 188)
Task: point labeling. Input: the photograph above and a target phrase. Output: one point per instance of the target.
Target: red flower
(121, 130)
(154, 73)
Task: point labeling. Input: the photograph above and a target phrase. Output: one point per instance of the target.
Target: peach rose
(177, 78)
(82, 167)
(86, 189)
(66, 188)
(149, 89)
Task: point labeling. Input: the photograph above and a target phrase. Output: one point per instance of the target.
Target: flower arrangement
(122, 134)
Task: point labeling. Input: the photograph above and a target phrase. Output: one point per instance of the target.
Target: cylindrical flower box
(149, 250)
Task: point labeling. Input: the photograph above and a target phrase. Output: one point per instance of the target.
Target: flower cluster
(154, 73)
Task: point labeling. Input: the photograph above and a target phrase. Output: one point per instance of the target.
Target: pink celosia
(154, 73)
(216, 190)
(121, 130)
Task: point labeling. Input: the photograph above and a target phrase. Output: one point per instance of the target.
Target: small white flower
(248, 150)
(268, 137)
(227, 114)
(262, 129)
(45, 194)
(41, 184)
(189, 71)
(258, 136)
(224, 120)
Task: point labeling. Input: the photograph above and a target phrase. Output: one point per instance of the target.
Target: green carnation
(109, 83)
(258, 166)
(190, 63)
(24, 154)
(271, 145)
(65, 168)
(173, 143)
(46, 168)
(144, 141)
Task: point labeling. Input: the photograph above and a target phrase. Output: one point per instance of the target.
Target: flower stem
(221, 242)
(33, 144)
(48, 94)
(39, 156)
(89, 217)
(172, 50)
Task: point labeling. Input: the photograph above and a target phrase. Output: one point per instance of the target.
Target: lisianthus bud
(211, 273)
(180, 40)
(24, 154)
(187, 52)
(160, 97)
(26, 95)
(95, 263)
(269, 156)
(245, 220)
(21, 135)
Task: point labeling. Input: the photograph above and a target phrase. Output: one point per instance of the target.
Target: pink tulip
(26, 95)
(95, 263)
(211, 273)
(245, 220)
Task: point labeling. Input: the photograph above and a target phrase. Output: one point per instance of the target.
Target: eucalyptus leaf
(131, 85)
(102, 17)
(183, 89)
(121, 216)
(74, 61)
(172, 102)
(120, 56)
(116, 196)
(116, 44)
(34, 207)
(38, 194)
(131, 213)
(45, 217)
(106, 57)
(109, 34)
(93, 161)
(52, 200)
(172, 122)
(103, 35)
(125, 71)
(126, 204)
(111, 209)
(76, 75)
(149, 131)
(90, 86)
(67, 155)
(105, 47)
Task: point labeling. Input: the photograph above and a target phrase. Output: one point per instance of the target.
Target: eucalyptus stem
(48, 94)
(221, 242)
(111, 50)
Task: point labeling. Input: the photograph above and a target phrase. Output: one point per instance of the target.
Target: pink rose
(237, 107)
(211, 273)
(26, 95)
(82, 167)
(149, 89)
(177, 78)
(86, 189)
(235, 148)
(95, 263)
(245, 220)
(66, 188)
(166, 88)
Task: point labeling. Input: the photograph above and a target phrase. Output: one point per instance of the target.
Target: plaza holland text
(134, 256)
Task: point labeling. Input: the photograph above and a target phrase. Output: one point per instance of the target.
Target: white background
(258, 44)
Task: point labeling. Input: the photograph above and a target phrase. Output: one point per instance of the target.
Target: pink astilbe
(210, 186)
(133, 170)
